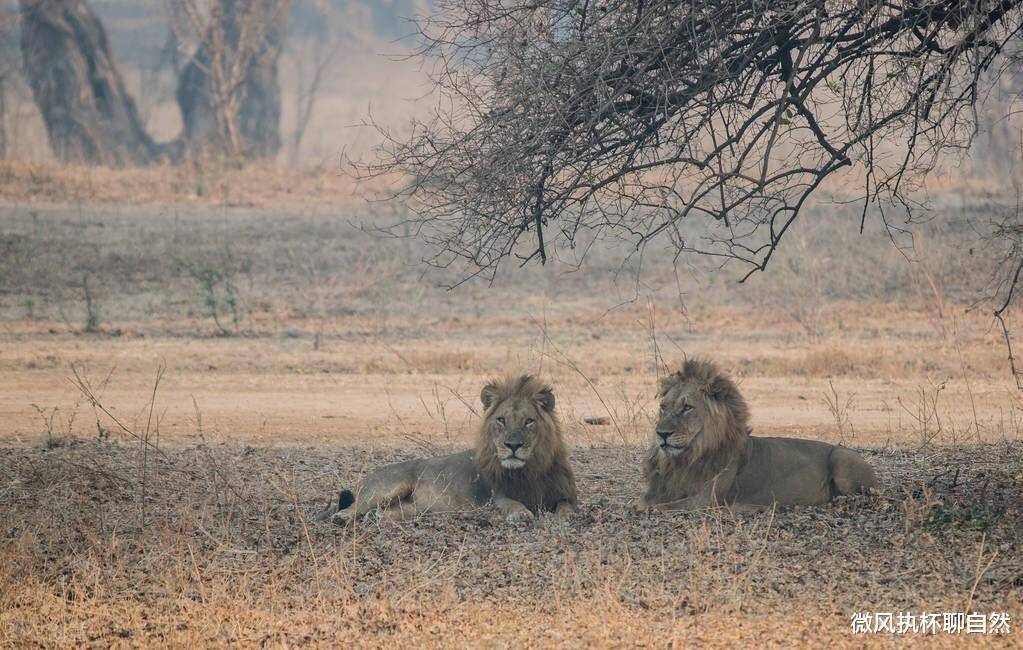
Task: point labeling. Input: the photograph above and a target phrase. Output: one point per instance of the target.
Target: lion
(520, 464)
(704, 455)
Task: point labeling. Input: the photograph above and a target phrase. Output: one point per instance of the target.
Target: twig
(978, 572)
(565, 360)
(998, 314)
(81, 384)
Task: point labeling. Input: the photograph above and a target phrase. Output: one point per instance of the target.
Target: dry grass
(225, 554)
(207, 183)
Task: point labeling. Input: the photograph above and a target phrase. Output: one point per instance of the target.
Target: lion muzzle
(514, 455)
(669, 447)
(513, 451)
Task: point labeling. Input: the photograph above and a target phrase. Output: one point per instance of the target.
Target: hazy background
(365, 47)
(366, 44)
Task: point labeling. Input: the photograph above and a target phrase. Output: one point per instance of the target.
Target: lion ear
(488, 395)
(665, 383)
(721, 388)
(545, 399)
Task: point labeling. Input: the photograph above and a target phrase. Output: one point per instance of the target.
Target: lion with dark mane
(704, 455)
(520, 464)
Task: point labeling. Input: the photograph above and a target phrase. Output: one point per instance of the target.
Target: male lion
(705, 455)
(520, 464)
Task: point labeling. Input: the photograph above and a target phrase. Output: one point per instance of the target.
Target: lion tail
(345, 499)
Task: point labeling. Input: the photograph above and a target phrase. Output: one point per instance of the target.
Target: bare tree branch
(704, 124)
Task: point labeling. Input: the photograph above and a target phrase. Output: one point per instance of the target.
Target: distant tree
(88, 113)
(324, 28)
(228, 92)
(10, 62)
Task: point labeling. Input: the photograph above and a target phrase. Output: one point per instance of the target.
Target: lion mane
(725, 431)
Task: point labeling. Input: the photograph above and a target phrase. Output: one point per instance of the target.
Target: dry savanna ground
(183, 385)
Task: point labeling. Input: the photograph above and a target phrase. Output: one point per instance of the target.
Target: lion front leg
(341, 504)
(565, 508)
(646, 503)
(512, 510)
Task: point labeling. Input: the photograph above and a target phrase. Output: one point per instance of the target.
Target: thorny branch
(704, 125)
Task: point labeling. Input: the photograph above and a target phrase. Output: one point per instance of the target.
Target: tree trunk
(259, 116)
(89, 116)
(229, 93)
(3, 117)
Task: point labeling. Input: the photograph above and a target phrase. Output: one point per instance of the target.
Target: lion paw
(337, 508)
(639, 507)
(341, 518)
(326, 514)
(519, 514)
(565, 510)
(322, 516)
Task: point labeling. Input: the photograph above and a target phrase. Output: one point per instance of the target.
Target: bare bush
(924, 413)
(839, 410)
(1008, 235)
(799, 282)
(930, 287)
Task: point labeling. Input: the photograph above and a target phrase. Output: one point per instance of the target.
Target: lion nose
(514, 446)
(664, 435)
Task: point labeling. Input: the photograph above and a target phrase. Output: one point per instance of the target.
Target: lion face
(681, 418)
(701, 410)
(513, 424)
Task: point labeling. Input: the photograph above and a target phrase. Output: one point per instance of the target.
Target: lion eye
(687, 408)
(530, 421)
(501, 420)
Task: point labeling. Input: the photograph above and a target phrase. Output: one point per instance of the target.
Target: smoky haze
(349, 57)
(344, 63)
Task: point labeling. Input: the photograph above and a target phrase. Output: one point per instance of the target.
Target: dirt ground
(177, 511)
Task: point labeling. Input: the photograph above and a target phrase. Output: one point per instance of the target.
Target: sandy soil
(890, 390)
